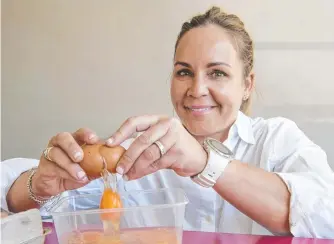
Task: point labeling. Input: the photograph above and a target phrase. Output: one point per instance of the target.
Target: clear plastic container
(151, 216)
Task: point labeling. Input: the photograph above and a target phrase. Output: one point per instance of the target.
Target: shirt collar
(243, 128)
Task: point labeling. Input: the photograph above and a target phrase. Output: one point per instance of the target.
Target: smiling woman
(210, 81)
(241, 174)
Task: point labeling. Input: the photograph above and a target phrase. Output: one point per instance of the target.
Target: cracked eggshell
(92, 162)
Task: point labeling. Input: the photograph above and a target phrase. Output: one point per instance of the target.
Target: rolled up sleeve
(304, 168)
(11, 169)
(311, 205)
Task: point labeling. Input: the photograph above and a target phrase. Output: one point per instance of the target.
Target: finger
(66, 142)
(151, 159)
(162, 163)
(133, 125)
(3, 214)
(141, 166)
(59, 157)
(142, 143)
(85, 135)
(72, 185)
(82, 136)
(53, 170)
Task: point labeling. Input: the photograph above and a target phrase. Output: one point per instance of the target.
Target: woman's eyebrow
(182, 64)
(217, 63)
(208, 65)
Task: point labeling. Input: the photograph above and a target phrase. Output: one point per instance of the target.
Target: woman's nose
(198, 88)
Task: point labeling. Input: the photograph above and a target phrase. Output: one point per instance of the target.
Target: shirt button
(208, 218)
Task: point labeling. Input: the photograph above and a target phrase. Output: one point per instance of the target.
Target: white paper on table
(24, 227)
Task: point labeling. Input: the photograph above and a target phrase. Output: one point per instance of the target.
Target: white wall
(69, 64)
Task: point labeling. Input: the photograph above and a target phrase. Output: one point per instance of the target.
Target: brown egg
(112, 155)
(92, 162)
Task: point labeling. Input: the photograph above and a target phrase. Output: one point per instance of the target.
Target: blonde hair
(235, 27)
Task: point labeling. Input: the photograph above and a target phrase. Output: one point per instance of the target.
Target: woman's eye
(183, 72)
(217, 74)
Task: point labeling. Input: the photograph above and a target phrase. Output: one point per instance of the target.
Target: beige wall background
(70, 64)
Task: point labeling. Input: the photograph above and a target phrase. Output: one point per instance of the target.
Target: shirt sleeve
(303, 166)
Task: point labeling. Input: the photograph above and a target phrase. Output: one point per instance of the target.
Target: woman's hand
(63, 171)
(183, 153)
(3, 214)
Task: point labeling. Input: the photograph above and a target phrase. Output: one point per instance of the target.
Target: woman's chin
(199, 130)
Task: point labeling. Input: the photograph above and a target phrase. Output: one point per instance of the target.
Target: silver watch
(219, 156)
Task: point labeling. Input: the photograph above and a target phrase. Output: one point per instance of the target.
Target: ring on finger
(161, 147)
(46, 153)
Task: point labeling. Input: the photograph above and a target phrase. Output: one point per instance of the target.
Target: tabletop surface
(192, 237)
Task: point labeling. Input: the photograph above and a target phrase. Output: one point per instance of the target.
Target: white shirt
(275, 145)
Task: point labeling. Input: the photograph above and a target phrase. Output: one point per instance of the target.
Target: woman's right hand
(63, 172)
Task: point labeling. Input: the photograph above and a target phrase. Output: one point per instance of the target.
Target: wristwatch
(219, 156)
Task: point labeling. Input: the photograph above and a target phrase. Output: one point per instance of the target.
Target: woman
(267, 178)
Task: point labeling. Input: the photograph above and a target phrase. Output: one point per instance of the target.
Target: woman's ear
(249, 85)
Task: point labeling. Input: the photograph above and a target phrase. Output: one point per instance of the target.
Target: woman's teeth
(200, 109)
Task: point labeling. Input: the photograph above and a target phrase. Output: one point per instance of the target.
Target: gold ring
(161, 147)
(46, 153)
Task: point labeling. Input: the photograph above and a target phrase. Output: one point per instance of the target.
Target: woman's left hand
(183, 153)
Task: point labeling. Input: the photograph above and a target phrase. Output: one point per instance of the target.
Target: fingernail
(110, 141)
(81, 175)
(91, 137)
(120, 170)
(85, 179)
(125, 177)
(78, 155)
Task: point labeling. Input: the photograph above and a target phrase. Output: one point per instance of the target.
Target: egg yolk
(110, 200)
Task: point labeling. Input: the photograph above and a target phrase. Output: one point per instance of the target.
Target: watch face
(219, 146)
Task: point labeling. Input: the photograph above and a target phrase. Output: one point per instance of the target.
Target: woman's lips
(199, 110)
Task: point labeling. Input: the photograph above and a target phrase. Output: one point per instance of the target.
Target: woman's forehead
(206, 44)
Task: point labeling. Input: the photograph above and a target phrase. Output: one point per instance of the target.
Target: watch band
(216, 164)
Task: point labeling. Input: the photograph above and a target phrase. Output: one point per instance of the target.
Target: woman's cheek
(222, 95)
(227, 96)
(178, 91)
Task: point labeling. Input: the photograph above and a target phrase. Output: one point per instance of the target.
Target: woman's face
(208, 84)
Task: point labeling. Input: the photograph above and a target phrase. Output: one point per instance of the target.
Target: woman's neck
(220, 136)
